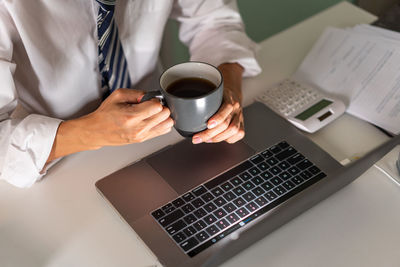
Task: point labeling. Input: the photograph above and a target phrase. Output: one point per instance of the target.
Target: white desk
(63, 221)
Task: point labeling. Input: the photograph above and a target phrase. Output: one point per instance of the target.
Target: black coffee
(190, 87)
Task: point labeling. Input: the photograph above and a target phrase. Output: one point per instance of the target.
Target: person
(49, 65)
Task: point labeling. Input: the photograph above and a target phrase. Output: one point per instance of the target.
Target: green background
(262, 18)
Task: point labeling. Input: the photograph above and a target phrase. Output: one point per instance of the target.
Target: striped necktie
(112, 63)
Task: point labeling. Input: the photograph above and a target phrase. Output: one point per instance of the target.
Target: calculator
(301, 104)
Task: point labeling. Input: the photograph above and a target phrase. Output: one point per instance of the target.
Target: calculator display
(313, 109)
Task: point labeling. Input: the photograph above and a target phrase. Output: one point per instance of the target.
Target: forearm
(232, 73)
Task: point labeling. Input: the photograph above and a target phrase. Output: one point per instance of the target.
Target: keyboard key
(179, 237)
(257, 180)
(189, 231)
(222, 224)
(266, 175)
(178, 202)
(242, 212)
(158, 214)
(239, 202)
(285, 175)
(275, 149)
(189, 244)
(286, 153)
(288, 185)
(252, 206)
(189, 219)
(197, 203)
(207, 197)
(238, 190)
(212, 230)
(267, 153)
(294, 170)
(272, 161)
(305, 175)
(232, 218)
(295, 158)
(283, 145)
(267, 186)
(279, 190)
(248, 185)
(175, 227)
(304, 164)
(276, 180)
(169, 209)
(258, 191)
(170, 218)
(275, 170)
(270, 196)
(167, 206)
(220, 213)
(217, 191)
(210, 207)
(199, 225)
(284, 165)
(236, 181)
(249, 196)
(209, 219)
(261, 201)
(199, 190)
(314, 170)
(202, 236)
(200, 213)
(297, 180)
(227, 186)
(229, 196)
(257, 159)
(245, 176)
(220, 202)
(230, 207)
(188, 197)
(263, 166)
(188, 208)
(254, 171)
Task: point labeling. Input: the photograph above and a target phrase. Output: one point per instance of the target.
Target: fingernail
(211, 124)
(197, 140)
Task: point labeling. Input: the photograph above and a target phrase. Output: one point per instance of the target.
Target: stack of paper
(361, 66)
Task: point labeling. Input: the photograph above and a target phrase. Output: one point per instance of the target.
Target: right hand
(121, 119)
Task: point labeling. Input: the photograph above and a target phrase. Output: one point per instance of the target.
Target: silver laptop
(198, 205)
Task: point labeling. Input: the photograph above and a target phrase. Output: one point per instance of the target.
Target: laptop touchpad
(184, 166)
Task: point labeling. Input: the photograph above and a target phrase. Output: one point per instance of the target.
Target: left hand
(227, 124)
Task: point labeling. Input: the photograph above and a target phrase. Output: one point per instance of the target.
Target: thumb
(123, 95)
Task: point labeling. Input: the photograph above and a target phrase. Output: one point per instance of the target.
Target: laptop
(198, 205)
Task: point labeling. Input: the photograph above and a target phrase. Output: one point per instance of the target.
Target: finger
(210, 133)
(236, 137)
(146, 109)
(123, 95)
(234, 127)
(157, 118)
(160, 129)
(220, 116)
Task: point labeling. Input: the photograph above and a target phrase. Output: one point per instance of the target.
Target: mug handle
(153, 94)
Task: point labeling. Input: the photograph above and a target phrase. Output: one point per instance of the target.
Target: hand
(119, 120)
(227, 124)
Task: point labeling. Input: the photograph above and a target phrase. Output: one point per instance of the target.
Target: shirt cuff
(28, 150)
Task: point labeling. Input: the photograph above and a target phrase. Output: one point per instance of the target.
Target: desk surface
(63, 221)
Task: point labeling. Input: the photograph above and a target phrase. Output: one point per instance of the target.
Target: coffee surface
(190, 87)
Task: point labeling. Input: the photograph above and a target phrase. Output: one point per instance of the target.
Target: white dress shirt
(48, 63)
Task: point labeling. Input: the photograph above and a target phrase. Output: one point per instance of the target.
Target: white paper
(361, 66)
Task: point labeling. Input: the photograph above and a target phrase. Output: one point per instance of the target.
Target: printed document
(361, 66)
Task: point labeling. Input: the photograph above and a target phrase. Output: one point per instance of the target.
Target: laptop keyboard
(203, 216)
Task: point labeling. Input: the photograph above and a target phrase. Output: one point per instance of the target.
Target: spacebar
(229, 174)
